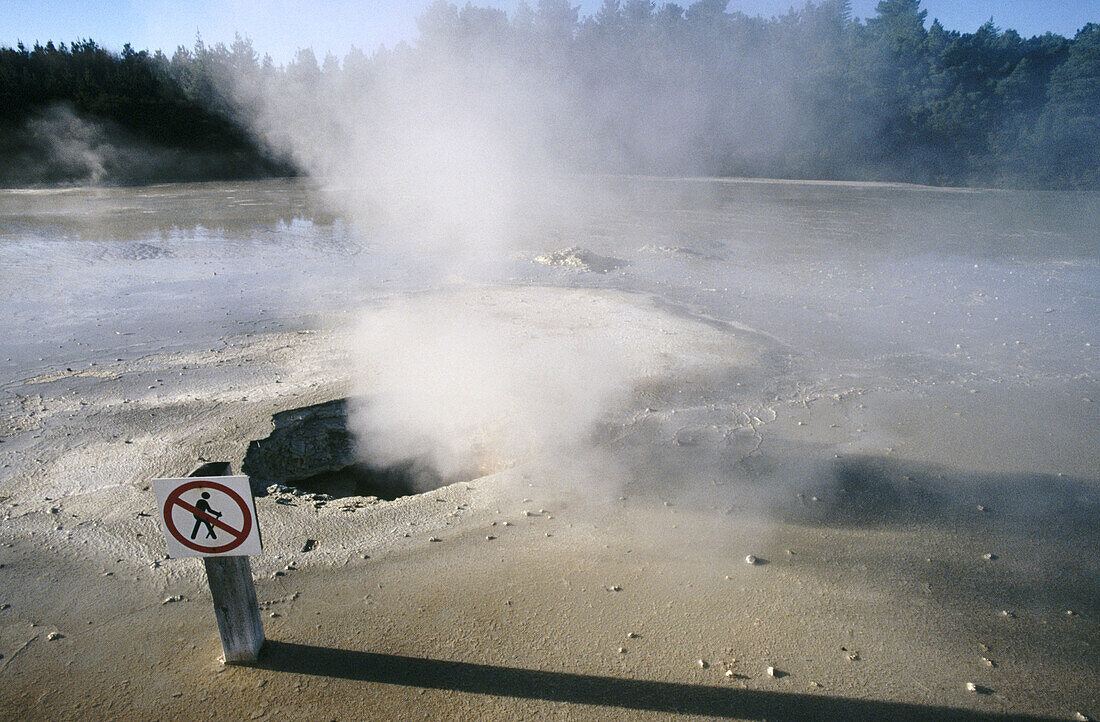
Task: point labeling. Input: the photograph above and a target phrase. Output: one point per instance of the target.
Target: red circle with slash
(174, 499)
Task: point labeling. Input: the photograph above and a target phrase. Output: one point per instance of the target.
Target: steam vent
(311, 449)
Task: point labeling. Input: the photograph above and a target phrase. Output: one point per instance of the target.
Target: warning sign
(212, 517)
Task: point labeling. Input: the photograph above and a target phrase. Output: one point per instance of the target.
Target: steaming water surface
(921, 296)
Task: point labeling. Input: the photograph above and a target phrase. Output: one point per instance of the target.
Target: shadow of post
(669, 697)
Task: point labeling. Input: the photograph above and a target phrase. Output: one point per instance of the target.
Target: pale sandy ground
(613, 599)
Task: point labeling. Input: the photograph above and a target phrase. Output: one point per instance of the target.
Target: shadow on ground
(582, 689)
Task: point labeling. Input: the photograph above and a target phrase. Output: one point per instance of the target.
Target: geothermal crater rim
(311, 449)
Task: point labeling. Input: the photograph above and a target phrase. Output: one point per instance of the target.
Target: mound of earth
(580, 259)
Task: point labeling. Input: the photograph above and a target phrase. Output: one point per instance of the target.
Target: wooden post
(234, 595)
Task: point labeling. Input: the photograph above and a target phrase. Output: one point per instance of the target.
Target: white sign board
(208, 517)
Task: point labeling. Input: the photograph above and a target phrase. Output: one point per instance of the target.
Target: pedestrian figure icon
(204, 506)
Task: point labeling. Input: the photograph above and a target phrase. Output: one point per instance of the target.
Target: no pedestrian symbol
(208, 517)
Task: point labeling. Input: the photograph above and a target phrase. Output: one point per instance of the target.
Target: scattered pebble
(1007, 613)
(489, 537)
(853, 657)
(1082, 717)
(434, 539)
(989, 662)
(773, 672)
(55, 635)
(1071, 613)
(729, 672)
(980, 507)
(976, 688)
(309, 546)
(702, 663)
(622, 650)
(750, 560)
(814, 684)
(631, 635)
(173, 598)
(990, 556)
(614, 588)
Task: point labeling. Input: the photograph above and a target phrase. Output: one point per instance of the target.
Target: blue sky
(280, 27)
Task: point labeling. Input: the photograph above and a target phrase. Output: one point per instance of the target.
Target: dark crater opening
(311, 450)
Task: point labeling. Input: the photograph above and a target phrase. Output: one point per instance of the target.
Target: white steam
(446, 156)
(471, 381)
(449, 159)
(451, 155)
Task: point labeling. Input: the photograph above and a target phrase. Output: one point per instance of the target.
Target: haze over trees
(644, 88)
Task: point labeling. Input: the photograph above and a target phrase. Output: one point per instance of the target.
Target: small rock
(1082, 717)
(1007, 613)
(622, 650)
(273, 615)
(1071, 613)
(989, 662)
(853, 657)
(527, 513)
(309, 546)
(489, 537)
(631, 635)
(990, 556)
(980, 507)
(773, 672)
(55, 635)
(614, 588)
(815, 684)
(729, 673)
(507, 523)
(173, 598)
(976, 688)
(751, 560)
(702, 663)
(434, 539)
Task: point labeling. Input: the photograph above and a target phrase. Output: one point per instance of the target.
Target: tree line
(813, 93)
(78, 113)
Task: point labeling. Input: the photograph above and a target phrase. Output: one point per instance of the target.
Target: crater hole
(310, 449)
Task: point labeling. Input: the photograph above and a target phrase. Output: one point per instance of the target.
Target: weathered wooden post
(218, 503)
